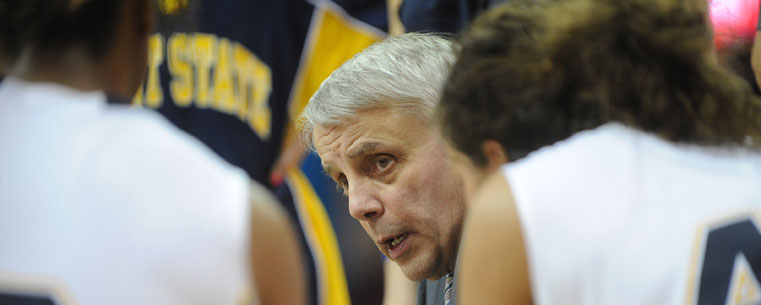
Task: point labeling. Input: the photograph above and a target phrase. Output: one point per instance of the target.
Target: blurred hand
(290, 156)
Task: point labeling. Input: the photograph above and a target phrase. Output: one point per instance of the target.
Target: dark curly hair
(53, 24)
(531, 73)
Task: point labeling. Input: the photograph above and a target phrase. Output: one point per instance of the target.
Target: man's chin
(417, 273)
(415, 276)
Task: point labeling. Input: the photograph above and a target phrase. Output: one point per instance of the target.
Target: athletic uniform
(108, 204)
(222, 71)
(614, 215)
(232, 73)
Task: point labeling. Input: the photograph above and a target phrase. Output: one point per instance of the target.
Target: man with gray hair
(371, 124)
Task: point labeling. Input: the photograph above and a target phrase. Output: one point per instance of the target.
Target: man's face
(394, 169)
(469, 174)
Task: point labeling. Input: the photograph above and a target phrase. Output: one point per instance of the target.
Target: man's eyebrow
(365, 148)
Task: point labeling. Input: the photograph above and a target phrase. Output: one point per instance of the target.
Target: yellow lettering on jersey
(259, 115)
(137, 100)
(154, 96)
(179, 61)
(169, 7)
(223, 83)
(242, 59)
(744, 289)
(204, 46)
(254, 86)
(211, 72)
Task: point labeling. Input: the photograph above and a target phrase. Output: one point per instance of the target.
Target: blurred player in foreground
(107, 204)
(635, 176)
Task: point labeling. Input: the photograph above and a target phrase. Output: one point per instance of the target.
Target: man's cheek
(369, 232)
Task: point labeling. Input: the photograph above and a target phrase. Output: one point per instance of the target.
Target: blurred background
(237, 73)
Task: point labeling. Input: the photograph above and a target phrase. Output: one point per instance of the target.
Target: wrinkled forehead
(325, 135)
(371, 129)
(337, 143)
(368, 117)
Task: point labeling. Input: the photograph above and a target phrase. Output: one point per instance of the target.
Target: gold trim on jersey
(332, 39)
(331, 278)
(699, 244)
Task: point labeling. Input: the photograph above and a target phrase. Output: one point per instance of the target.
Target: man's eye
(383, 164)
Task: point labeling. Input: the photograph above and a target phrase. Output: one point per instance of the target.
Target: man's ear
(495, 154)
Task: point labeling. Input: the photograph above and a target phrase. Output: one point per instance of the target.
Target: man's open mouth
(393, 242)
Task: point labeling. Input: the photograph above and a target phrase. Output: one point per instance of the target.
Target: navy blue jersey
(222, 70)
(441, 16)
(234, 72)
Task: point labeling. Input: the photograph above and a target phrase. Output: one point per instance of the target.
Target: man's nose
(363, 202)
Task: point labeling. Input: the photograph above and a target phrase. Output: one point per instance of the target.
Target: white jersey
(104, 204)
(618, 216)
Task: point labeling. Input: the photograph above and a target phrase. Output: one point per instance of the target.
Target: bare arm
(395, 26)
(276, 256)
(492, 266)
(398, 289)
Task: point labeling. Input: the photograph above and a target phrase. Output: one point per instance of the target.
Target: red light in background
(734, 21)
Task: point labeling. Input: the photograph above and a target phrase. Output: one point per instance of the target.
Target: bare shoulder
(493, 266)
(493, 209)
(266, 210)
(493, 195)
(275, 253)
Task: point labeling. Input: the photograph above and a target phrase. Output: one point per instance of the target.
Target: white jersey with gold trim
(104, 204)
(614, 215)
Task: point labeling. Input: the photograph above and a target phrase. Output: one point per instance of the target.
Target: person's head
(581, 63)
(371, 124)
(43, 39)
(518, 25)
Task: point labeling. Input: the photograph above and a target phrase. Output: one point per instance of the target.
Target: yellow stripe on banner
(331, 279)
(331, 41)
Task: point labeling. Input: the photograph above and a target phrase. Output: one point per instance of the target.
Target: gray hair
(404, 73)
